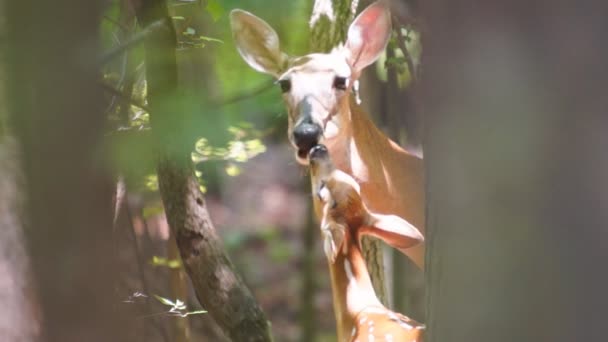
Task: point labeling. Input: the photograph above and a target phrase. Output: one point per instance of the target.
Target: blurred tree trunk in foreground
(57, 112)
(326, 34)
(518, 188)
(19, 311)
(219, 289)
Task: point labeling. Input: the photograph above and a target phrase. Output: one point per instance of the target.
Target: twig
(135, 39)
(124, 96)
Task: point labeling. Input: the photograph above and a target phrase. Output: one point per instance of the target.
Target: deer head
(316, 86)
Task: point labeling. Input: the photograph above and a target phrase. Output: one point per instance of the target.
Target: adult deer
(345, 218)
(317, 91)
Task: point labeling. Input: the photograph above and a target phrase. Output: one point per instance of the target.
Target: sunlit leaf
(209, 39)
(179, 305)
(197, 312)
(233, 170)
(164, 301)
(164, 262)
(152, 182)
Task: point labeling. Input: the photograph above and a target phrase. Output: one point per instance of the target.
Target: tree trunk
(325, 34)
(219, 289)
(19, 314)
(516, 149)
(57, 113)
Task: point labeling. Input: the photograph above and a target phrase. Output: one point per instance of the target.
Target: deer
(321, 110)
(360, 316)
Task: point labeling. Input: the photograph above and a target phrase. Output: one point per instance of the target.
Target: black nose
(306, 135)
(318, 152)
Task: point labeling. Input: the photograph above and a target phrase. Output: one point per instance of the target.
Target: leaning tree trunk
(219, 289)
(518, 190)
(328, 24)
(57, 112)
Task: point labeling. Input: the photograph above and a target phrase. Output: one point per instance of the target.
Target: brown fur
(347, 217)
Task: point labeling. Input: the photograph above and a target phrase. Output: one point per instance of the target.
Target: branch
(218, 287)
(135, 39)
(108, 88)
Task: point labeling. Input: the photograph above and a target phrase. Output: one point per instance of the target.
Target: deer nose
(318, 152)
(306, 135)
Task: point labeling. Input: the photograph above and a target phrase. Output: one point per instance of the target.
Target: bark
(329, 24)
(57, 114)
(516, 148)
(308, 318)
(179, 290)
(19, 313)
(219, 289)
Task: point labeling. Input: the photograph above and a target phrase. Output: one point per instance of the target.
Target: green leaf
(233, 170)
(189, 31)
(209, 39)
(197, 312)
(215, 9)
(169, 263)
(178, 18)
(152, 182)
(164, 301)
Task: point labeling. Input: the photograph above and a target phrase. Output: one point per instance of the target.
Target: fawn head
(316, 86)
(345, 213)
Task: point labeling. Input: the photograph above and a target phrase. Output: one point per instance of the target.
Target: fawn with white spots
(345, 218)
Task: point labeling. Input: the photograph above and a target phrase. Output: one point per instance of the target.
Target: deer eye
(340, 83)
(285, 85)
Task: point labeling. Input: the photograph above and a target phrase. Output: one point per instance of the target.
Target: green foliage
(245, 144)
(215, 9)
(398, 63)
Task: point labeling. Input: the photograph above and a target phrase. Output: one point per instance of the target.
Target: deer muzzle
(306, 133)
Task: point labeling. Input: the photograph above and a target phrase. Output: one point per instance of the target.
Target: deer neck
(351, 286)
(359, 145)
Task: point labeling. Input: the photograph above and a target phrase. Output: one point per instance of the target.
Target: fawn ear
(333, 240)
(257, 43)
(393, 230)
(368, 35)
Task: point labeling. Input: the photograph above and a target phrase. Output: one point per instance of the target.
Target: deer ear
(368, 35)
(393, 230)
(257, 43)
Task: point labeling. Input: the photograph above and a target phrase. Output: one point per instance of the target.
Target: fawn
(345, 218)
